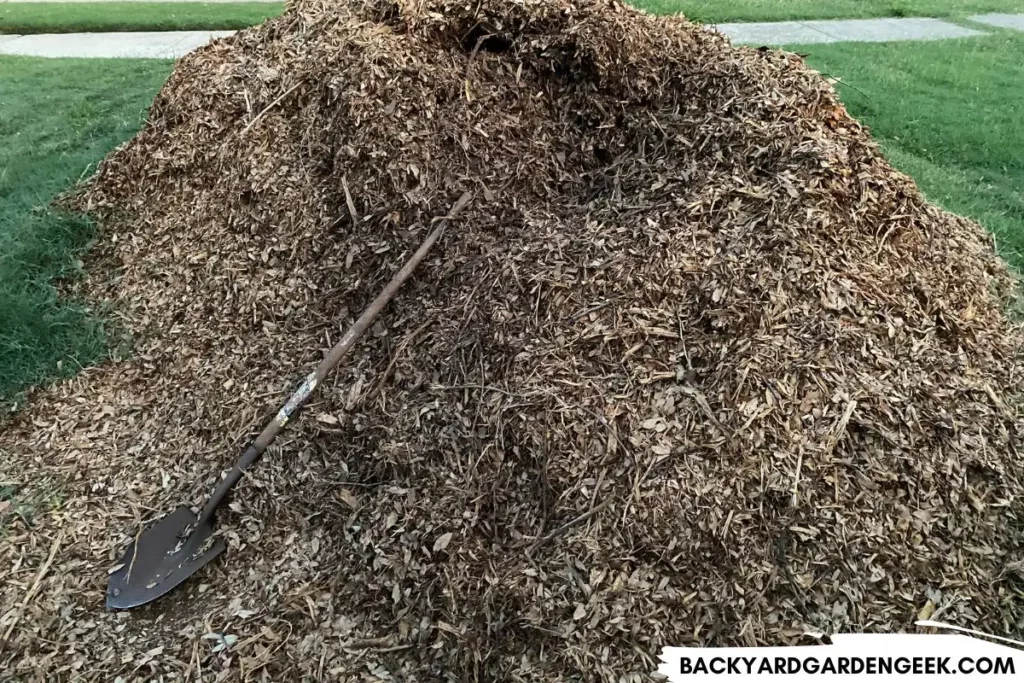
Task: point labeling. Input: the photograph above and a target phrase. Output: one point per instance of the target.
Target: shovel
(180, 544)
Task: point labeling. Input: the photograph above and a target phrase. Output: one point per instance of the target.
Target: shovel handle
(255, 451)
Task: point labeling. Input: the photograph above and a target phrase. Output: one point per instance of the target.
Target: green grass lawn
(780, 10)
(70, 17)
(66, 17)
(948, 113)
(57, 119)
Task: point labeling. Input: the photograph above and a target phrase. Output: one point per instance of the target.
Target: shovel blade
(160, 559)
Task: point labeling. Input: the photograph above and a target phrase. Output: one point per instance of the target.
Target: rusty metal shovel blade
(161, 558)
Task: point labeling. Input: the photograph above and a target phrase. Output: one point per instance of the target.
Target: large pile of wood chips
(695, 366)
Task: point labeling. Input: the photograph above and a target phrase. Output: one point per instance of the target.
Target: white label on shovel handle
(297, 399)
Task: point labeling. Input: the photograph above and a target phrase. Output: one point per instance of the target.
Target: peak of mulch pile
(695, 366)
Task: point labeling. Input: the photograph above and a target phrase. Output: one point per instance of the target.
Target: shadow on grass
(43, 335)
(58, 118)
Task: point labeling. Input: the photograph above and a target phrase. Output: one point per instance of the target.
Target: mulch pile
(695, 366)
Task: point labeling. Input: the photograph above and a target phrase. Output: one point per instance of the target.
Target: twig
(930, 623)
(353, 214)
(270, 106)
(705, 407)
(469, 64)
(398, 352)
(479, 387)
(32, 590)
(191, 661)
(796, 478)
(830, 445)
(840, 428)
(472, 55)
(394, 648)
(550, 536)
(597, 488)
(840, 81)
(366, 643)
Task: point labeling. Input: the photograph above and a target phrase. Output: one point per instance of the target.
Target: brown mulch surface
(695, 366)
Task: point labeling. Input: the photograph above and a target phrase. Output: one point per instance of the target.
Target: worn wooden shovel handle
(331, 361)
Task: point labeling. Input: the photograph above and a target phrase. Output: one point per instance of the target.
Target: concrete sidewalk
(1010, 21)
(154, 45)
(174, 44)
(844, 30)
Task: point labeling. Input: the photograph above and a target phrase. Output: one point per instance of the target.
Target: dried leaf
(348, 498)
(442, 541)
